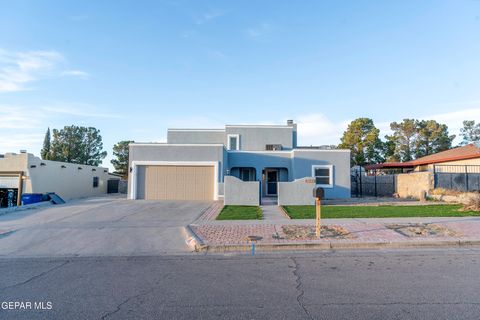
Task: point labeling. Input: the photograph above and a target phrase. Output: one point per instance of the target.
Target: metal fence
(372, 185)
(457, 177)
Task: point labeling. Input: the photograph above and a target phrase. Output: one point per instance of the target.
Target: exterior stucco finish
(238, 192)
(195, 136)
(298, 192)
(256, 138)
(68, 180)
(177, 153)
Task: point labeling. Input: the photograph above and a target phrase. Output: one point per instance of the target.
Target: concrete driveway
(104, 226)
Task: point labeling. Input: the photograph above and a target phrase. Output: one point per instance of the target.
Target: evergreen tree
(470, 132)
(432, 137)
(45, 153)
(82, 145)
(121, 153)
(362, 138)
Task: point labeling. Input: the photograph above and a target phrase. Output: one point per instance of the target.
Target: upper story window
(273, 147)
(323, 175)
(233, 142)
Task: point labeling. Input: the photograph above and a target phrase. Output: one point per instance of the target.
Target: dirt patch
(422, 230)
(308, 232)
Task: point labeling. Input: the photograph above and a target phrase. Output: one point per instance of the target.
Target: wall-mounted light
(131, 169)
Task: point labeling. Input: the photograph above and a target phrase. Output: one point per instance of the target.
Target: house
(24, 173)
(453, 160)
(454, 169)
(238, 163)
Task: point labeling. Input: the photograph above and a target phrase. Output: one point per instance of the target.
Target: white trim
(230, 135)
(149, 144)
(330, 178)
(322, 150)
(258, 126)
(186, 129)
(135, 164)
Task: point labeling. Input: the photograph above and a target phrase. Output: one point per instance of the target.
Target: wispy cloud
(259, 31)
(210, 15)
(315, 129)
(18, 69)
(76, 73)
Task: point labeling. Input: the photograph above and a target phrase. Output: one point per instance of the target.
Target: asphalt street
(397, 284)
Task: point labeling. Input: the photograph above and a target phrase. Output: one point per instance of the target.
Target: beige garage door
(176, 182)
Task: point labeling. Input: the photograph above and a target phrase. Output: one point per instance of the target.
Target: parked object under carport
(29, 198)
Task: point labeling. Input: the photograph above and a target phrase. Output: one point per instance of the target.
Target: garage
(176, 182)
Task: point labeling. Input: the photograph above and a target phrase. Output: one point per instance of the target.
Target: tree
(120, 152)
(362, 138)
(432, 137)
(402, 141)
(45, 153)
(75, 144)
(470, 132)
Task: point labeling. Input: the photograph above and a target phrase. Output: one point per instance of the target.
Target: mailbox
(318, 192)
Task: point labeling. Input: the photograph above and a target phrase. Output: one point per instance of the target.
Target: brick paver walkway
(211, 212)
(215, 233)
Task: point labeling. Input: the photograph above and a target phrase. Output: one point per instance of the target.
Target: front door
(272, 179)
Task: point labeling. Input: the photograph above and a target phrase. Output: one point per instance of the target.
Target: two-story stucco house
(239, 163)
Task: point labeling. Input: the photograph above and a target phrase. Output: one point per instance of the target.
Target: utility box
(318, 192)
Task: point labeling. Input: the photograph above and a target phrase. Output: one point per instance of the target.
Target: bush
(473, 203)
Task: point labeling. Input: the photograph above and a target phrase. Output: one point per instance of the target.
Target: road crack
(127, 300)
(299, 287)
(35, 276)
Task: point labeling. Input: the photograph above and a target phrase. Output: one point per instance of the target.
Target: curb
(339, 245)
(285, 212)
(193, 241)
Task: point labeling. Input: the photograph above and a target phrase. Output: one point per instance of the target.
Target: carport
(10, 181)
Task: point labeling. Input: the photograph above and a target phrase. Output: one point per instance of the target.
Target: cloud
(260, 30)
(21, 142)
(210, 15)
(76, 73)
(317, 129)
(18, 69)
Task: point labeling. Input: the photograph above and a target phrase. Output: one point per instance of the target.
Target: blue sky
(134, 68)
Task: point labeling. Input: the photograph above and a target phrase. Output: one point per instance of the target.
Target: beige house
(456, 160)
(24, 173)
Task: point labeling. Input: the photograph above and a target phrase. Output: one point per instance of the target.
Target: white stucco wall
(69, 182)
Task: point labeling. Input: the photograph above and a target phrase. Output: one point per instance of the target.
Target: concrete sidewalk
(367, 233)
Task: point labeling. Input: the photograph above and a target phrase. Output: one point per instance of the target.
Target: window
(273, 147)
(247, 174)
(233, 142)
(323, 175)
(95, 182)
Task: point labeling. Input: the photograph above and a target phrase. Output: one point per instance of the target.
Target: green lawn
(308, 212)
(240, 213)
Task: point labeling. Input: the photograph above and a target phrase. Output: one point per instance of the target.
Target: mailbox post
(318, 194)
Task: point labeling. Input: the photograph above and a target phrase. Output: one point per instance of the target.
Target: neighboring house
(24, 173)
(455, 169)
(241, 163)
(454, 160)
